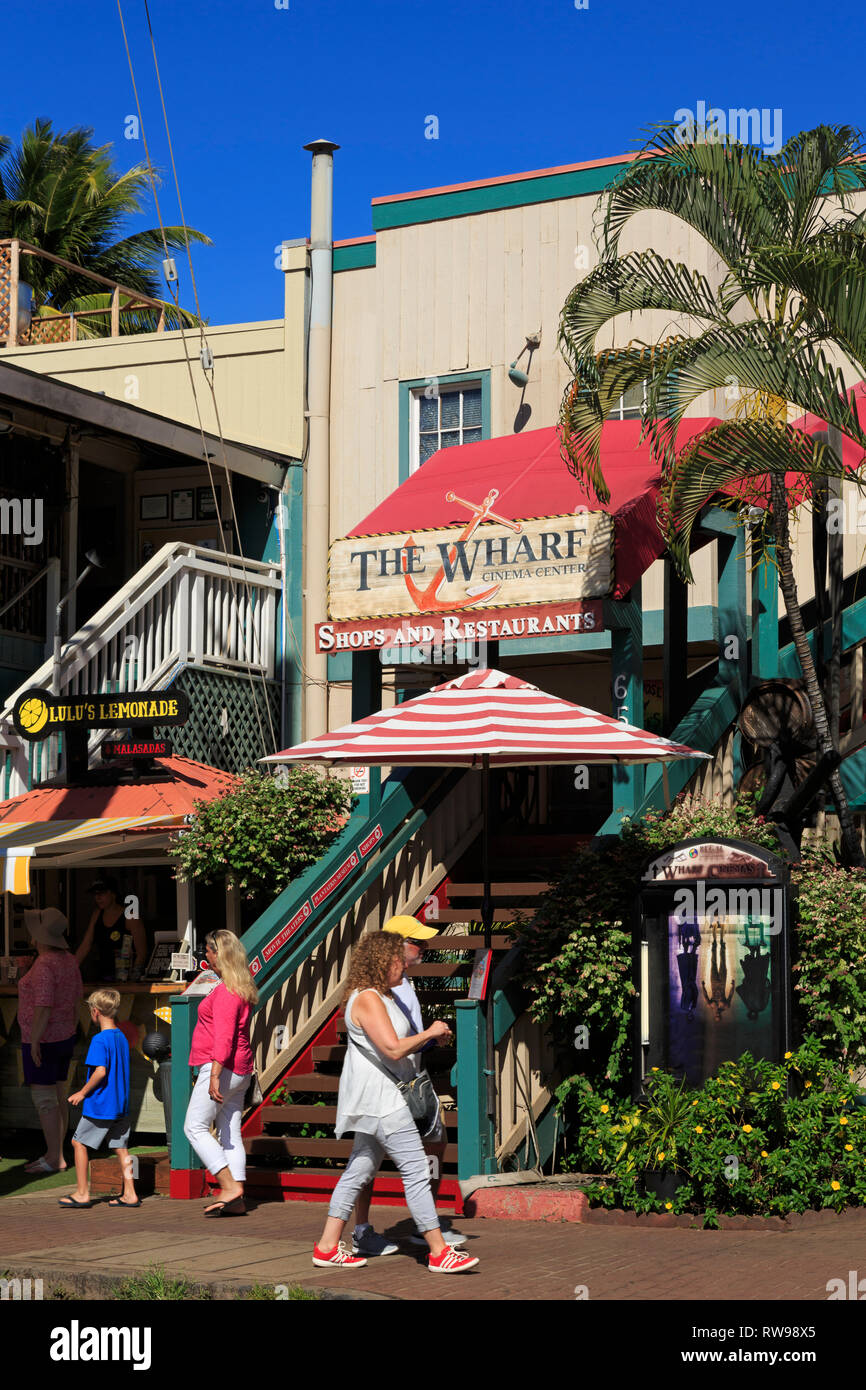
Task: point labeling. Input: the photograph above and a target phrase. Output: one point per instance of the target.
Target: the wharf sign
(490, 562)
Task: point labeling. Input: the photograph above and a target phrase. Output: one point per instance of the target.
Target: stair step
(445, 1056)
(277, 1145)
(473, 914)
(312, 1081)
(321, 1114)
(498, 890)
(298, 1114)
(429, 997)
(442, 969)
(472, 941)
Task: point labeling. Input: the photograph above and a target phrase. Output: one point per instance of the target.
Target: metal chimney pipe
(317, 484)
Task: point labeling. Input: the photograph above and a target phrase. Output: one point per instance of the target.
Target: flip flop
(116, 1202)
(40, 1166)
(70, 1204)
(233, 1208)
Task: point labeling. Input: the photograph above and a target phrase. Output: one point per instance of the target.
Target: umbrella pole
(487, 921)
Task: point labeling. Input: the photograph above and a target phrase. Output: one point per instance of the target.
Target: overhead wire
(174, 291)
(209, 375)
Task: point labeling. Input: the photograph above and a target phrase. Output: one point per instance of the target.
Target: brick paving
(540, 1261)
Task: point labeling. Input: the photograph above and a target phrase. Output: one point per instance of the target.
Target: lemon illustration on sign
(33, 715)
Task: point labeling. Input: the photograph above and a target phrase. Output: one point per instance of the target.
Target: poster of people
(720, 991)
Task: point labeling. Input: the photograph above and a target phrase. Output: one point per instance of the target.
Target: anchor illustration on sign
(428, 600)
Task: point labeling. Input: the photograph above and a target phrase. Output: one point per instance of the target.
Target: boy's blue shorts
(93, 1133)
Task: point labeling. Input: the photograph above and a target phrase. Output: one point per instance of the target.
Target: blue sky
(514, 86)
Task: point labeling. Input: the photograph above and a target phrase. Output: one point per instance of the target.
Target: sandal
(117, 1202)
(235, 1207)
(40, 1166)
(71, 1204)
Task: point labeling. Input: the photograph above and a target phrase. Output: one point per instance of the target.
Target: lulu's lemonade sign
(38, 713)
(493, 562)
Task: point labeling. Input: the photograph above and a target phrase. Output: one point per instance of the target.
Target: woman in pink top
(221, 1049)
(48, 998)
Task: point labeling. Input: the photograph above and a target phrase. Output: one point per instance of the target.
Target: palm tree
(61, 193)
(785, 316)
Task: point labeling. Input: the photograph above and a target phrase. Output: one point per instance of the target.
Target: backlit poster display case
(712, 958)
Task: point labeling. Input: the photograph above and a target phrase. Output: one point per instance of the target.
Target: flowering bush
(830, 964)
(264, 832)
(757, 1138)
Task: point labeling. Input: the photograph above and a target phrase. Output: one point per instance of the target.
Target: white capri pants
(405, 1150)
(202, 1113)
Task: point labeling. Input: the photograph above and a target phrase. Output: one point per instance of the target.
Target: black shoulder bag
(418, 1093)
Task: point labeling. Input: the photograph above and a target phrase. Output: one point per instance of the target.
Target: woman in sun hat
(48, 999)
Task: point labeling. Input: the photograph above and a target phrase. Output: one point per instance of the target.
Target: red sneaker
(340, 1256)
(451, 1261)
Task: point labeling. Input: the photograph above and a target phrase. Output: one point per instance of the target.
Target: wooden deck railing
(19, 329)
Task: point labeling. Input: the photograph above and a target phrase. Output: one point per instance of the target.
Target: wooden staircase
(292, 1152)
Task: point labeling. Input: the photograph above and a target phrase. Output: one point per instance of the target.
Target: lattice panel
(49, 331)
(5, 262)
(223, 729)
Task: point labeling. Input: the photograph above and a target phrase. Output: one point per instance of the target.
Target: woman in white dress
(371, 1106)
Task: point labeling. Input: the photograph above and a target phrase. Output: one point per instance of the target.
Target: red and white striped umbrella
(486, 713)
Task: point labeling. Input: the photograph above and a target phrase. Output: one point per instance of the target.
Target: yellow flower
(699, 1129)
(764, 1153)
(835, 1186)
(599, 1151)
(747, 1129)
(653, 1068)
(694, 1102)
(787, 1055)
(843, 1120)
(807, 1084)
(604, 1109)
(848, 1148)
(660, 1156)
(669, 1206)
(775, 1085)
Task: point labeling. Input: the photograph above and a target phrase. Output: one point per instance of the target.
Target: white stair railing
(187, 604)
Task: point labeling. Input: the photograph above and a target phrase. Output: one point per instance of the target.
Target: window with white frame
(443, 416)
(631, 404)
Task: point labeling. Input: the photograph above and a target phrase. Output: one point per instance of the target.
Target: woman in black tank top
(106, 930)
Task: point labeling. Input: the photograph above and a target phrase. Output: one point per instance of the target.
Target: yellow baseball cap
(409, 927)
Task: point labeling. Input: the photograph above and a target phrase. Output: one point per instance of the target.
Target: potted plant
(667, 1106)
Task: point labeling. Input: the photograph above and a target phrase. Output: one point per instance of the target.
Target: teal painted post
(475, 1138)
(367, 699)
(765, 619)
(184, 1012)
(292, 500)
(733, 638)
(626, 669)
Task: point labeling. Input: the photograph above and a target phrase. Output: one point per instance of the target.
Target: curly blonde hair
(233, 964)
(371, 963)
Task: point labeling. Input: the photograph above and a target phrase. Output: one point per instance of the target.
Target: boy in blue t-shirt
(105, 1098)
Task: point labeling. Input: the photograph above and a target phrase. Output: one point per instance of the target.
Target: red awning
(173, 796)
(533, 481)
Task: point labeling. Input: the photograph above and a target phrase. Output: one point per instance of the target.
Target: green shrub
(830, 949)
(265, 832)
(756, 1139)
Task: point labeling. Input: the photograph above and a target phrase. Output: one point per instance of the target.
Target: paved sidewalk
(519, 1259)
